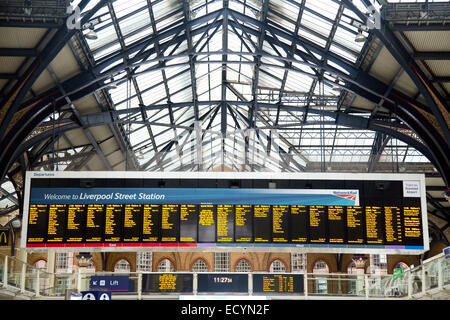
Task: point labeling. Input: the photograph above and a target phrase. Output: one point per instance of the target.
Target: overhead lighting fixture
(27, 7)
(360, 37)
(423, 14)
(336, 86)
(91, 34)
(111, 84)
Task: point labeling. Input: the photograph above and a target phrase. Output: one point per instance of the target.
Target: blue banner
(326, 197)
(109, 283)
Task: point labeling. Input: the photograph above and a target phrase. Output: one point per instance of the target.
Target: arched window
(277, 266)
(200, 266)
(165, 266)
(320, 267)
(401, 265)
(351, 269)
(41, 265)
(122, 266)
(243, 266)
(378, 264)
(321, 284)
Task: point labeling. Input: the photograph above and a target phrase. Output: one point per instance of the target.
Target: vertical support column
(83, 262)
(410, 284)
(195, 284)
(37, 284)
(51, 257)
(305, 285)
(250, 284)
(79, 281)
(360, 261)
(23, 277)
(424, 280)
(139, 286)
(366, 284)
(440, 275)
(5, 272)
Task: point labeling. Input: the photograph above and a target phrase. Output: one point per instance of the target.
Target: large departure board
(188, 223)
(110, 214)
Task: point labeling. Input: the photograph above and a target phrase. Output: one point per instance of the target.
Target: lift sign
(109, 283)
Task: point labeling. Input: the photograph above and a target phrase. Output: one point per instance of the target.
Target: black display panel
(374, 224)
(76, 214)
(243, 228)
(299, 224)
(262, 223)
(207, 215)
(225, 223)
(393, 225)
(132, 223)
(355, 225)
(113, 223)
(280, 220)
(278, 283)
(94, 227)
(188, 222)
(167, 282)
(336, 224)
(412, 226)
(56, 223)
(317, 224)
(169, 223)
(151, 214)
(37, 222)
(217, 282)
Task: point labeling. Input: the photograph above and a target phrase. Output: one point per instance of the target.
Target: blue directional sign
(109, 283)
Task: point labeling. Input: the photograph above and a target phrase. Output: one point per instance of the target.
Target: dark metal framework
(243, 84)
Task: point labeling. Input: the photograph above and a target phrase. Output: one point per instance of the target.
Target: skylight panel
(136, 22)
(326, 8)
(107, 51)
(122, 91)
(182, 95)
(312, 37)
(125, 7)
(138, 136)
(347, 39)
(149, 79)
(316, 24)
(154, 95)
(297, 82)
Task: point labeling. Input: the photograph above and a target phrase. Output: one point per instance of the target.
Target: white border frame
(234, 176)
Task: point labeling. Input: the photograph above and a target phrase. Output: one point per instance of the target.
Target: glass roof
(248, 84)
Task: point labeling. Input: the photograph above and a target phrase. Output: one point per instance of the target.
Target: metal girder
(77, 114)
(435, 102)
(431, 55)
(18, 52)
(13, 101)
